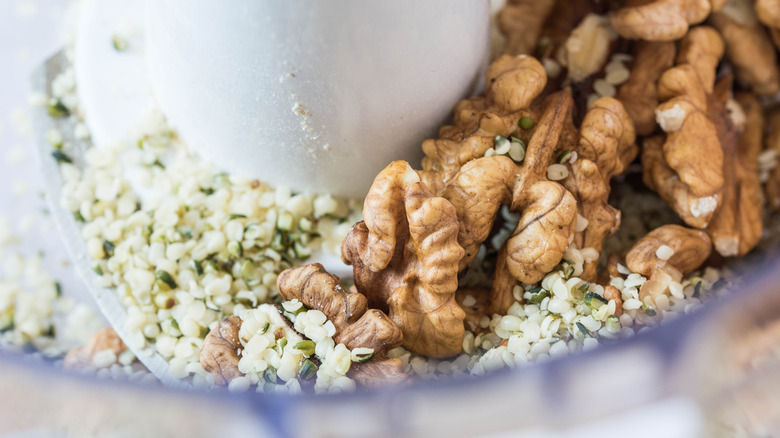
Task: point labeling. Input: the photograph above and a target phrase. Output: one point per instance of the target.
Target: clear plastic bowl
(688, 371)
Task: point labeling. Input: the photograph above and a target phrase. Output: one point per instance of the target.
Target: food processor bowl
(685, 378)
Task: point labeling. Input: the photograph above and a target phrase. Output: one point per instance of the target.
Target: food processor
(684, 378)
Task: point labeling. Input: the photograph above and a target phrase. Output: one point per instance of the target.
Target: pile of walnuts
(691, 110)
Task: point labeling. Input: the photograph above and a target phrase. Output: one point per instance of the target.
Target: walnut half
(405, 260)
(660, 20)
(105, 339)
(666, 254)
(356, 326)
(219, 354)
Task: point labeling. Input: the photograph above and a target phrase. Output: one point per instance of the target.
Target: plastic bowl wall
(693, 357)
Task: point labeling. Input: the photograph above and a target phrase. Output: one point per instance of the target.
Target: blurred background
(31, 31)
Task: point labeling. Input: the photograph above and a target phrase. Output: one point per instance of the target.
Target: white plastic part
(318, 96)
(113, 87)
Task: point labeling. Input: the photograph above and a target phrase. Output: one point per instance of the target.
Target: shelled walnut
(356, 325)
(660, 20)
(219, 354)
(666, 254)
(690, 179)
(706, 169)
(605, 148)
(103, 340)
(749, 46)
(405, 258)
(639, 94)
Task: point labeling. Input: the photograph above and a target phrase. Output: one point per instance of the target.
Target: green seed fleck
(248, 270)
(365, 357)
(525, 123)
(308, 370)
(269, 375)
(594, 300)
(235, 248)
(197, 267)
(61, 157)
(306, 347)
(108, 248)
(583, 329)
(119, 43)
(567, 269)
(164, 278)
(56, 108)
(538, 295)
(302, 252)
(185, 232)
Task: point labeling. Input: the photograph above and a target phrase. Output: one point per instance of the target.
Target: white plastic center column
(315, 95)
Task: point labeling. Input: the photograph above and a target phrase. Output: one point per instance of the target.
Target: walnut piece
(768, 12)
(513, 83)
(317, 289)
(591, 189)
(611, 293)
(405, 258)
(105, 339)
(549, 211)
(477, 187)
(356, 326)
(660, 20)
(736, 227)
(521, 22)
(606, 147)
(587, 47)
(707, 168)
(477, 192)
(690, 249)
(772, 142)
(219, 354)
(749, 46)
(607, 137)
(541, 27)
(687, 170)
(639, 93)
